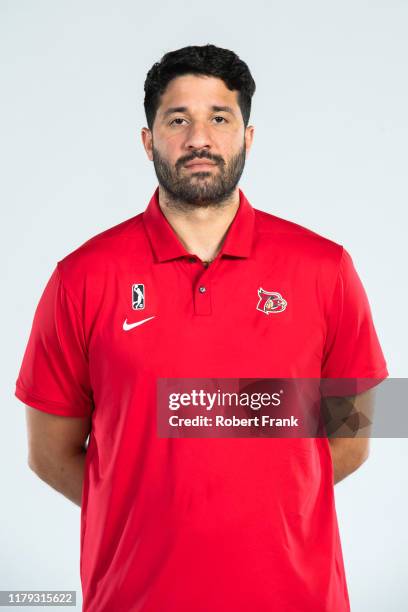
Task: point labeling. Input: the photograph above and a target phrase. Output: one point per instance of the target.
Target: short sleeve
(54, 373)
(352, 349)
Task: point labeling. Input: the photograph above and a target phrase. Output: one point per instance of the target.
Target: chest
(184, 319)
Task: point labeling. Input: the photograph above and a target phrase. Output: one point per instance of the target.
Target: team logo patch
(270, 302)
(138, 296)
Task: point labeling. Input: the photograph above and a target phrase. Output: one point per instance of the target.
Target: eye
(220, 117)
(177, 119)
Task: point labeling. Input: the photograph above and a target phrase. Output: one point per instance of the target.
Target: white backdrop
(330, 153)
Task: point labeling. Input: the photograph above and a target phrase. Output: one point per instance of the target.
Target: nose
(197, 136)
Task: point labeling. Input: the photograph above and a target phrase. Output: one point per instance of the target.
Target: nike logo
(127, 326)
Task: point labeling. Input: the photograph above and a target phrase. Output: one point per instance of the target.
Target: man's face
(198, 120)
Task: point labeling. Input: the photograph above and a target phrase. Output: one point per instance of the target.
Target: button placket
(202, 293)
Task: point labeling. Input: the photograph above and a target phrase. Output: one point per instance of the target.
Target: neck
(201, 229)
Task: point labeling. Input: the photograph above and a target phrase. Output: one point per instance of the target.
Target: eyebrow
(184, 109)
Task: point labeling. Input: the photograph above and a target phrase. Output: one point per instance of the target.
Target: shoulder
(276, 234)
(104, 249)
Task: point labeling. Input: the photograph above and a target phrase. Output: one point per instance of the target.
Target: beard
(204, 188)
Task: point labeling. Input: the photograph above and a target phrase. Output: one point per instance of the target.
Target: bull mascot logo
(270, 302)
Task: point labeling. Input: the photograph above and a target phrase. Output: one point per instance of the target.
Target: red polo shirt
(182, 525)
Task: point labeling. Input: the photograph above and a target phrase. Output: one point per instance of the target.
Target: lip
(199, 164)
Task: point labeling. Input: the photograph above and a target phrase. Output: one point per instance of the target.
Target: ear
(147, 140)
(249, 137)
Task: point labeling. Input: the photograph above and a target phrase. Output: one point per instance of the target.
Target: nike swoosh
(127, 326)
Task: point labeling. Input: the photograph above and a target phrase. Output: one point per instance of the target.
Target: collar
(166, 245)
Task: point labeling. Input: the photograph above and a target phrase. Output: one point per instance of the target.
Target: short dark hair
(207, 60)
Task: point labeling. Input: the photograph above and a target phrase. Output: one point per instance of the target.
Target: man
(228, 291)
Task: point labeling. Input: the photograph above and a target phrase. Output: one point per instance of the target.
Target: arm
(349, 419)
(56, 450)
(348, 455)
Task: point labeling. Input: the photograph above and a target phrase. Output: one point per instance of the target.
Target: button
(191, 259)
(202, 289)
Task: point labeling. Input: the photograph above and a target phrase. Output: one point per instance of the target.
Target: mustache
(214, 159)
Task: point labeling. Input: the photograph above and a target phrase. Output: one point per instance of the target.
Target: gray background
(330, 152)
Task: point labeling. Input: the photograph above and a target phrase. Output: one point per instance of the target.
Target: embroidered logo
(138, 296)
(127, 326)
(270, 302)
